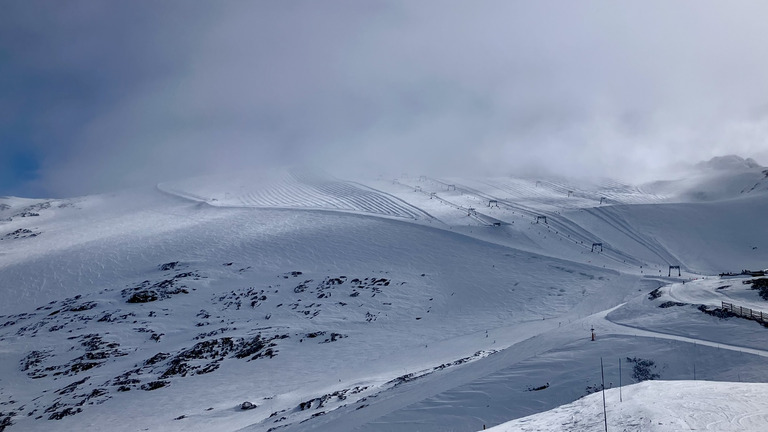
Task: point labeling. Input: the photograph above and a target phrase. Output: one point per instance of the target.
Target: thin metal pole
(602, 375)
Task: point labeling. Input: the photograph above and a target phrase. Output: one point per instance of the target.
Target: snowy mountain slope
(703, 238)
(578, 214)
(382, 307)
(658, 406)
(419, 299)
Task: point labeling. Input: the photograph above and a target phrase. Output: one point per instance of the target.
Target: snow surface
(658, 406)
(413, 303)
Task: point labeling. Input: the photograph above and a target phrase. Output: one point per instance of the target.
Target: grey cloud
(152, 91)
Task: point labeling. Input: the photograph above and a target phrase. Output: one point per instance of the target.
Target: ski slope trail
(704, 238)
(550, 219)
(297, 190)
(608, 216)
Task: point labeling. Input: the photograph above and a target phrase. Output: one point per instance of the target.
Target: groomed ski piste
(299, 300)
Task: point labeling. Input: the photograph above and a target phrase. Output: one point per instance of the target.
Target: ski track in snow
(306, 190)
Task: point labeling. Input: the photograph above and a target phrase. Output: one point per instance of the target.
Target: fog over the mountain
(100, 95)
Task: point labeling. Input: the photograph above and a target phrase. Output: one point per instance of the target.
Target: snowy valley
(299, 300)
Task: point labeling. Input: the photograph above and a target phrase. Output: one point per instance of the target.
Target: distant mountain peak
(729, 162)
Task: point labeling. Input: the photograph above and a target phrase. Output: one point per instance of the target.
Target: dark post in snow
(602, 376)
(593, 333)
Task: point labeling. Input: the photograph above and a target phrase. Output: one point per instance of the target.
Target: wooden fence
(746, 312)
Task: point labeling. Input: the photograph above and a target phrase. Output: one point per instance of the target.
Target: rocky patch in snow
(148, 291)
(761, 285)
(20, 233)
(116, 332)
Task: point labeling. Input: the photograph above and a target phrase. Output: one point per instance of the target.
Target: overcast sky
(100, 95)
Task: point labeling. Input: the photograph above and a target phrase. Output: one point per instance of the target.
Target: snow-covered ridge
(721, 178)
(729, 162)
